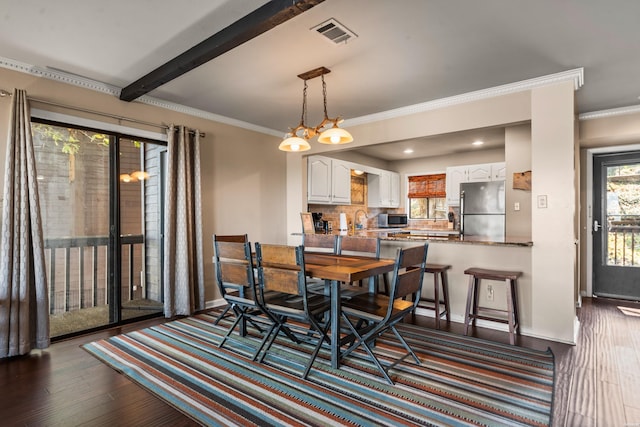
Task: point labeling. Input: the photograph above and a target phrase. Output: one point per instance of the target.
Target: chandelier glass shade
(297, 139)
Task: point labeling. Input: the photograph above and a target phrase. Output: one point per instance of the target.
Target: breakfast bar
(465, 252)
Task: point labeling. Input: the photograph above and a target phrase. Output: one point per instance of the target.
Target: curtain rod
(4, 93)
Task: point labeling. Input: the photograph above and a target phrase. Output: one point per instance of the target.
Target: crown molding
(634, 109)
(80, 81)
(576, 75)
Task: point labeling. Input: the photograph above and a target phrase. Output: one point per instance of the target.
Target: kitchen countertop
(435, 236)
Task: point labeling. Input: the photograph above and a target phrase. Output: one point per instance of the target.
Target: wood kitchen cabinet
(328, 181)
(471, 173)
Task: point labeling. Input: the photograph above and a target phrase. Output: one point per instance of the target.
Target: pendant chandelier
(297, 139)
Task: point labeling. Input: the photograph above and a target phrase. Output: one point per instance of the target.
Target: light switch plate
(516, 206)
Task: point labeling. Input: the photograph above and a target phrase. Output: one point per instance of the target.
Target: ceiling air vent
(335, 31)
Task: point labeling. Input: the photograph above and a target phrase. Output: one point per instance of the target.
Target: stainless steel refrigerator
(482, 210)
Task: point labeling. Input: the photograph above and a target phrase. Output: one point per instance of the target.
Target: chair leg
(264, 341)
(406, 345)
(316, 350)
(221, 315)
(239, 316)
(362, 341)
(269, 341)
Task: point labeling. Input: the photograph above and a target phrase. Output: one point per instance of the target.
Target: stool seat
(439, 272)
(483, 273)
(472, 312)
(436, 268)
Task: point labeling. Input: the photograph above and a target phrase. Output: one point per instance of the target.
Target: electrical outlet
(489, 293)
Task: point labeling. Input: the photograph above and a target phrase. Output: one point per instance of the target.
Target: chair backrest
(234, 265)
(409, 272)
(281, 269)
(364, 246)
(237, 238)
(320, 242)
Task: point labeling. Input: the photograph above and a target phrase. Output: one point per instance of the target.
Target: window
(427, 196)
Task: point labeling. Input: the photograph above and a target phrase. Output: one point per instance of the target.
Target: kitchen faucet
(355, 217)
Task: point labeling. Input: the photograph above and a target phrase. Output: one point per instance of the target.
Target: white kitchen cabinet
(498, 171)
(471, 173)
(455, 176)
(478, 173)
(340, 182)
(394, 198)
(383, 189)
(328, 181)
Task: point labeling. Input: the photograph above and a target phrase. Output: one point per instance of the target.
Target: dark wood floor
(598, 380)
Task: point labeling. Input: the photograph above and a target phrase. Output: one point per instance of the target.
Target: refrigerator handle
(462, 213)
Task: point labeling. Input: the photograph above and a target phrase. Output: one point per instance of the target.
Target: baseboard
(503, 327)
(215, 303)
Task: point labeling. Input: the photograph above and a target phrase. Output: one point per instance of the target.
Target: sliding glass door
(140, 228)
(100, 196)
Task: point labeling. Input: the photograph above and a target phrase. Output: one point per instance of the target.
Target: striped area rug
(462, 380)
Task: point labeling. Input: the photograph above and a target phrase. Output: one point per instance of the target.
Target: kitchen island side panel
(463, 256)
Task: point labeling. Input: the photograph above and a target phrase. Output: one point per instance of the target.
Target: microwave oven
(392, 220)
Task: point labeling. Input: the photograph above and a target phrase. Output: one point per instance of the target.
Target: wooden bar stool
(472, 312)
(439, 278)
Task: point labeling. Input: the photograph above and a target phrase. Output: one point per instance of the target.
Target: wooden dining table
(348, 269)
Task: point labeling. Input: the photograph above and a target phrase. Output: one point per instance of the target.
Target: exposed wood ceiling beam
(257, 22)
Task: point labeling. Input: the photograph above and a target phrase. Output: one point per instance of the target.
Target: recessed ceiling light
(477, 142)
(408, 151)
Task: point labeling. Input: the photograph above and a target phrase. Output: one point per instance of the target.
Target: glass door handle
(596, 226)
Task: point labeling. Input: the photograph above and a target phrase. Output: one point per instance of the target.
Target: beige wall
(243, 172)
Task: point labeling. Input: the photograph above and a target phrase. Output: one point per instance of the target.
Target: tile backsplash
(332, 213)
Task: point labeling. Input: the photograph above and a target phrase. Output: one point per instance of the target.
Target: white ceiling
(407, 52)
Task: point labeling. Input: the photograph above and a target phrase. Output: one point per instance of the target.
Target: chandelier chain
(324, 96)
(303, 117)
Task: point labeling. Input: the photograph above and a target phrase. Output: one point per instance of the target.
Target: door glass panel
(73, 181)
(623, 215)
(140, 226)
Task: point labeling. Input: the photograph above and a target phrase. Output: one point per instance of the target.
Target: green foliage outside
(69, 139)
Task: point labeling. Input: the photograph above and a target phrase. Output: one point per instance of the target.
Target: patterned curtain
(183, 263)
(24, 302)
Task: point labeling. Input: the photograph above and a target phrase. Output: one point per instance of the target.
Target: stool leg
(445, 294)
(436, 298)
(467, 312)
(476, 297)
(510, 311)
(516, 314)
